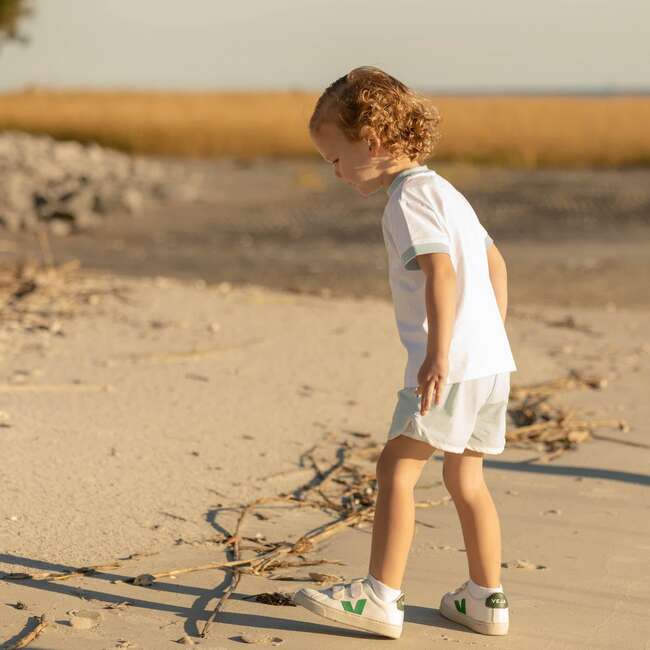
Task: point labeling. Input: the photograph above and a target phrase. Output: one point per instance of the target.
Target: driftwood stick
(56, 575)
(27, 637)
(236, 574)
(531, 428)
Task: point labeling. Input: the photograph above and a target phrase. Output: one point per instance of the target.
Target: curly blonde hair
(367, 101)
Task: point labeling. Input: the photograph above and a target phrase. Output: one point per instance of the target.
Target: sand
(131, 431)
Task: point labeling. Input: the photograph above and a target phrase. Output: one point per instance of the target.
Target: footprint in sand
(522, 564)
(445, 547)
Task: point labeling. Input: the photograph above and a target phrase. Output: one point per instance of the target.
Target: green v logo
(357, 609)
(460, 606)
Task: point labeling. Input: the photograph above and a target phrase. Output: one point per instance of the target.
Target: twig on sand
(56, 575)
(28, 636)
(234, 581)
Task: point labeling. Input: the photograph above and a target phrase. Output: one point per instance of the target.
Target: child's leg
(398, 470)
(463, 477)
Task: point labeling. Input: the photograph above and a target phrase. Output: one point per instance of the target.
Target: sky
(447, 45)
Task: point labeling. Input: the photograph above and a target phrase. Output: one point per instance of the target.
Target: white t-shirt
(425, 214)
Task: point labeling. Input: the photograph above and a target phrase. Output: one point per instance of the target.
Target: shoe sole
(384, 629)
(493, 629)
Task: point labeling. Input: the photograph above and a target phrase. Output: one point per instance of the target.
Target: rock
(144, 580)
(42, 179)
(132, 200)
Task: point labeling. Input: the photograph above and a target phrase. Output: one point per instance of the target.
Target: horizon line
(602, 90)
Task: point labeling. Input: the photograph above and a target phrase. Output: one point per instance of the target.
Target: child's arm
(440, 296)
(499, 278)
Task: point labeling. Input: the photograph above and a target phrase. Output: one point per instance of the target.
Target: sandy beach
(199, 353)
(181, 363)
(133, 429)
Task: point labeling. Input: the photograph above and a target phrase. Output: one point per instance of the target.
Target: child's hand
(431, 378)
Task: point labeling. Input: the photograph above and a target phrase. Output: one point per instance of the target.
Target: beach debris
(142, 580)
(324, 578)
(360, 434)
(273, 598)
(196, 377)
(260, 638)
(186, 640)
(37, 296)
(65, 575)
(27, 636)
(550, 429)
(17, 575)
(121, 605)
(137, 555)
(344, 487)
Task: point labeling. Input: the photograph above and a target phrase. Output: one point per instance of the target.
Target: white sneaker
(485, 615)
(356, 604)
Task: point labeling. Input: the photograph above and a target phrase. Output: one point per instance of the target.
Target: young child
(449, 287)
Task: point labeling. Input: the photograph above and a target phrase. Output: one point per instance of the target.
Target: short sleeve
(417, 228)
(488, 240)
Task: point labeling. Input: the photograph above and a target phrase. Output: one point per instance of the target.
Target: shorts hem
(443, 446)
(487, 450)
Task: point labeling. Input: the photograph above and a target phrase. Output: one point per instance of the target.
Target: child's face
(354, 162)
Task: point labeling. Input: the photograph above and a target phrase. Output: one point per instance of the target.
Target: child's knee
(461, 484)
(397, 473)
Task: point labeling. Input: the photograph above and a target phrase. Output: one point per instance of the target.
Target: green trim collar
(403, 174)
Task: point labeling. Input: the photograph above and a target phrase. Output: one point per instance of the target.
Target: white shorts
(471, 415)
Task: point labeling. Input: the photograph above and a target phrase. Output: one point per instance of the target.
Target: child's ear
(368, 134)
(373, 143)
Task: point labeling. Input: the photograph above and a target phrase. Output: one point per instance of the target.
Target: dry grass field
(517, 131)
